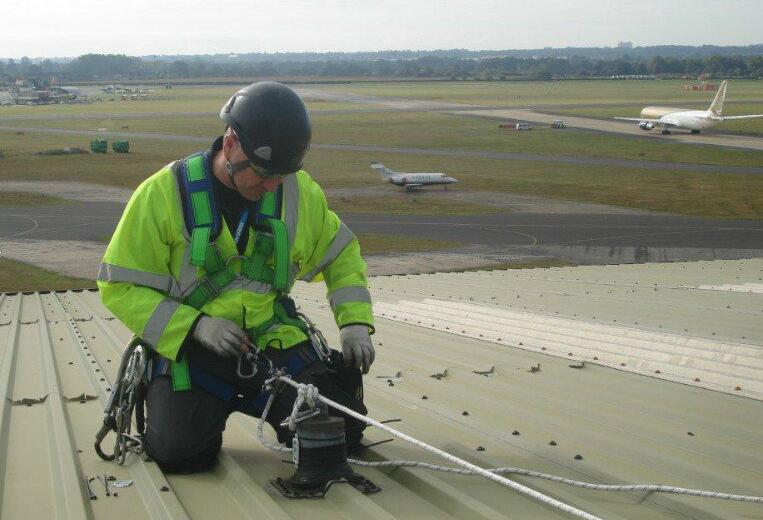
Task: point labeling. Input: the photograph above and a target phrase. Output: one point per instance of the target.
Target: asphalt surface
(508, 156)
(91, 221)
(95, 221)
(519, 229)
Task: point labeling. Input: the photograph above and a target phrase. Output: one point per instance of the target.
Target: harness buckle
(209, 287)
(235, 257)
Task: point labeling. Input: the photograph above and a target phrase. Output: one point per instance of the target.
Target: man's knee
(183, 429)
(174, 456)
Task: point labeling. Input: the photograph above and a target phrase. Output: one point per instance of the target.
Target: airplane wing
(754, 116)
(639, 119)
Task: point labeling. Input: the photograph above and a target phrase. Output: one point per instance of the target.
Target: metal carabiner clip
(249, 358)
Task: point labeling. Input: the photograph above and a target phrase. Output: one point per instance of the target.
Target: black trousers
(184, 430)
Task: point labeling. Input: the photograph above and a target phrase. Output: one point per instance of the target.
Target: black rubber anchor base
(288, 489)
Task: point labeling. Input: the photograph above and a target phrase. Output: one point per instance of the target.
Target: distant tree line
(113, 67)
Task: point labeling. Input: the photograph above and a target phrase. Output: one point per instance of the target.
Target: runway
(581, 238)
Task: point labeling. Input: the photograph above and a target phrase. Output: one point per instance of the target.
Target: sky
(70, 28)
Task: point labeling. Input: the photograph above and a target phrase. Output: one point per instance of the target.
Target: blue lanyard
(241, 225)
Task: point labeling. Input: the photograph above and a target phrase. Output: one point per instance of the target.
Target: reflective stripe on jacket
(146, 270)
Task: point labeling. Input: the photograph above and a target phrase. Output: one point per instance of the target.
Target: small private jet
(411, 181)
(694, 120)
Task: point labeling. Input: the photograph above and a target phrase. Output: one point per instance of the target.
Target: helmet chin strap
(233, 169)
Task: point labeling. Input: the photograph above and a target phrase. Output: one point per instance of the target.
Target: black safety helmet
(272, 125)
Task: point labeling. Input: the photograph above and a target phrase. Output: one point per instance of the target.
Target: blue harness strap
(226, 392)
(191, 183)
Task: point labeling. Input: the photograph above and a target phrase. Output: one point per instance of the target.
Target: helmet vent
(263, 152)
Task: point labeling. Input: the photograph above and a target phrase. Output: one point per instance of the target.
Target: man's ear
(229, 142)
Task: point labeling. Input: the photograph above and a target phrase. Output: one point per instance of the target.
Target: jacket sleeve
(135, 281)
(335, 257)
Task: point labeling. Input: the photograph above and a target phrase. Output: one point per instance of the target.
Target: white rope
(452, 458)
(658, 488)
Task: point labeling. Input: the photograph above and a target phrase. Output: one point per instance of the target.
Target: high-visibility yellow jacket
(146, 270)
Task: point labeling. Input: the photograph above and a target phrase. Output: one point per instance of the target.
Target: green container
(99, 145)
(121, 146)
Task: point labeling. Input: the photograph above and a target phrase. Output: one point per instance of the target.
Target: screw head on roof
(691, 434)
(424, 397)
(464, 413)
(515, 432)
(480, 448)
(164, 488)
(596, 358)
(578, 457)
(552, 443)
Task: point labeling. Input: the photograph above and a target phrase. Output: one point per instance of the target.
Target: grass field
(698, 194)
(526, 93)
(18, 277)
(701, 194)
(24, 198)
(441, 131)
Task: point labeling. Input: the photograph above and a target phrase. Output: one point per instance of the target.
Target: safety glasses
(264, 172)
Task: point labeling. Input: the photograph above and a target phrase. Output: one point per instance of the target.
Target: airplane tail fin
(716, 107)
(382, 170)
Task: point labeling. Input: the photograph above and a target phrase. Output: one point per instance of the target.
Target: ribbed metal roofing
(689, 321)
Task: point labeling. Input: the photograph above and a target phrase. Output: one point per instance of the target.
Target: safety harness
(268, 262)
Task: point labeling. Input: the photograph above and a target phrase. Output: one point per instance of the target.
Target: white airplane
(411, 181)
(694, 120)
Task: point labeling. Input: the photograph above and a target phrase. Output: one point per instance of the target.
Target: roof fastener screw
(596, 358)
(552, 443)
(578, 457)
(657, 372)
(164, 488)
(480, 448)
(464, 413)
(690, 434)
(424, 397)
(622, 364)
(696, 380)
(515, 432)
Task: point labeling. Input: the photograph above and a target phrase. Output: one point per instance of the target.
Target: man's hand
(221, 336)
(357, 348)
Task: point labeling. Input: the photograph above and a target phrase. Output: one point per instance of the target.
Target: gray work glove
(357, 348)
(221, 336)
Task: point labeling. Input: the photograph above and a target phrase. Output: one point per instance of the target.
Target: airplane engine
(646, 125)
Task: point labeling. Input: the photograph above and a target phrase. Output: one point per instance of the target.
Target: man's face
(250, 185)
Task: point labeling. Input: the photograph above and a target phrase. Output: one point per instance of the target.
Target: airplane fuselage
(412, 180)
(420, 179)
(680, 118)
